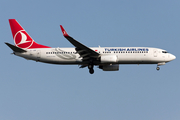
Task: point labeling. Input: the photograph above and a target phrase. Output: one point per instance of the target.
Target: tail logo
(22, 39)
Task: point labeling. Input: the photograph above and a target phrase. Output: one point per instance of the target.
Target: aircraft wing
(85, 52)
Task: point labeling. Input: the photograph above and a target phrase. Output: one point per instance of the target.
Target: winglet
(64, 32)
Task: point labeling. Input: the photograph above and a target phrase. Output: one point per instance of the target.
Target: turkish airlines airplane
(106, 58)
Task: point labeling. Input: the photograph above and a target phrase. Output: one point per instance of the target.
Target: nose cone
(172, 57)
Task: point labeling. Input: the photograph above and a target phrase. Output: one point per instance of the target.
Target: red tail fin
(21, 37)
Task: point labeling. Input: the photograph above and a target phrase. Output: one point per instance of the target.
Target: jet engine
(108, 59)
(113, 67)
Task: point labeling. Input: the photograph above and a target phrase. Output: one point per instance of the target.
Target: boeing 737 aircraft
(106, 58)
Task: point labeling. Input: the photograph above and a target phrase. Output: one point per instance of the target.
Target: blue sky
(35, 91)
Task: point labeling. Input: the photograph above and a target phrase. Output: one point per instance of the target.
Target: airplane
(106, 58)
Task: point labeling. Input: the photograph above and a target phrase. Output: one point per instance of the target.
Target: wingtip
(63, 31)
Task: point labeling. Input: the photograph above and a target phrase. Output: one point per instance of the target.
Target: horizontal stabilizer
(15, 49)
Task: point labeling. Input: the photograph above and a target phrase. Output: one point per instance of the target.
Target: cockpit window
(164, 52)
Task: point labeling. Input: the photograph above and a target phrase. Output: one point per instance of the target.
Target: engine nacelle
(113, 67)
(108, 59)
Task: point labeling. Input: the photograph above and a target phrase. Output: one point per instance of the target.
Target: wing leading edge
(85, 52)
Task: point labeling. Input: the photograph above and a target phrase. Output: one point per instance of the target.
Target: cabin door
(155, 52)
(38, 54)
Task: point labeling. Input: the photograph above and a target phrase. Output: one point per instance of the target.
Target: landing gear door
(155, 52)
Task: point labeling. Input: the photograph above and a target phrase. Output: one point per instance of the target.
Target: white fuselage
(125, 55)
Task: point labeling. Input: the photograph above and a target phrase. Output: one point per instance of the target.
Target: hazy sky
(36, 91)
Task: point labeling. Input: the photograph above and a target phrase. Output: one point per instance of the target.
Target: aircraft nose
(173, 57)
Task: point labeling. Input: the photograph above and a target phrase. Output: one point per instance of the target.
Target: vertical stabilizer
(21, 37)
